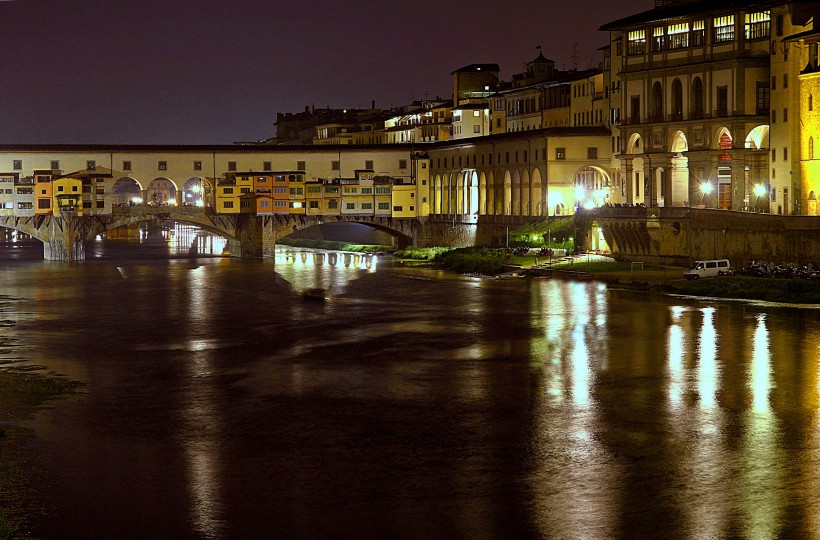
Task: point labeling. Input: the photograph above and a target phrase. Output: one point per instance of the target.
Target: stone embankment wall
(679, 236)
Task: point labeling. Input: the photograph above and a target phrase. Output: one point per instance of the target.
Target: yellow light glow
(706, 188)
(760, 190)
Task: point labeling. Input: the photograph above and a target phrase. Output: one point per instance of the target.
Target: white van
(717, 267)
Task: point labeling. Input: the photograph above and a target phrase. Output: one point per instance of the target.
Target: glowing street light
(760, 190)
(706, 188)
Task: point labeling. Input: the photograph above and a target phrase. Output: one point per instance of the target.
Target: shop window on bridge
(758, 25)
(560, 153)
(43, 203)
(126, 165)
(332, 204)
(314, 204)
(384, 206)
(197, 165)
(162, 166)
(90, 165)
(25, 206)
(227, 204)
(55, 165)
(17, 164)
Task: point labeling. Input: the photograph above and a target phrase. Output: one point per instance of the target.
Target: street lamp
(705, 190)
(759, 191)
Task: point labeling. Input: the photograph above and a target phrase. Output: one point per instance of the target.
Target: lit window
(636, 43)
(758, 25)
(678, 36)
(724, 28)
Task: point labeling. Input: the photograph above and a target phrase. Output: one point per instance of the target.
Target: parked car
(711, 268)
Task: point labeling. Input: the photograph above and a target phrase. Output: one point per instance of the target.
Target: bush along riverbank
(22, 393)
(472, 261)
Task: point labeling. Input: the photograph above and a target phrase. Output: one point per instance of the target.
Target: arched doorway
(472, 193)
(537, 194)
(506, 208)
(635, 192)
(723, 184)
(482, 194)
(679, 173)
(526, 204)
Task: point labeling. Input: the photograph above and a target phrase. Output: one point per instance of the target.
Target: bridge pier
(66, 239)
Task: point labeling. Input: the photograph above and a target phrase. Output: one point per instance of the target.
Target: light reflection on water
(418, 403)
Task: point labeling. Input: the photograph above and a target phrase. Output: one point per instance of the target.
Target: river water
(219, 403)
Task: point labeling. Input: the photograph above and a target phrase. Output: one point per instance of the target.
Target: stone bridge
(249, 235)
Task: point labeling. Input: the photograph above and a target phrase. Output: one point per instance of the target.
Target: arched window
(657, 102)
(811, 147)
(697, 98)
(677, 100)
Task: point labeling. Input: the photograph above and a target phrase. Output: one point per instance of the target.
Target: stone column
(738, 180)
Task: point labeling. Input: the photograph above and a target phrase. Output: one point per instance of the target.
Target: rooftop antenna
(575, 57)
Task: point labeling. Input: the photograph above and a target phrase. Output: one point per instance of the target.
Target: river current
(218, 402)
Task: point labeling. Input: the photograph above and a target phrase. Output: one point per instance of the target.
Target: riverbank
(669, 279)
(22, 393)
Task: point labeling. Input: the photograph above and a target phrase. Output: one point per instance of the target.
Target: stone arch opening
(723, 139)
(758, 138)
(473, 194)
(812, 206)
(196, 191)
(161, 192)
(678, 186)
(507, 194)
(482, 194)
(592, 187)
(515, 209)
(526, 194)
(537, 193)
(634, 144)
(126, 191)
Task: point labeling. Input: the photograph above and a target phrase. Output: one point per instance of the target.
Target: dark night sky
(212, 72)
